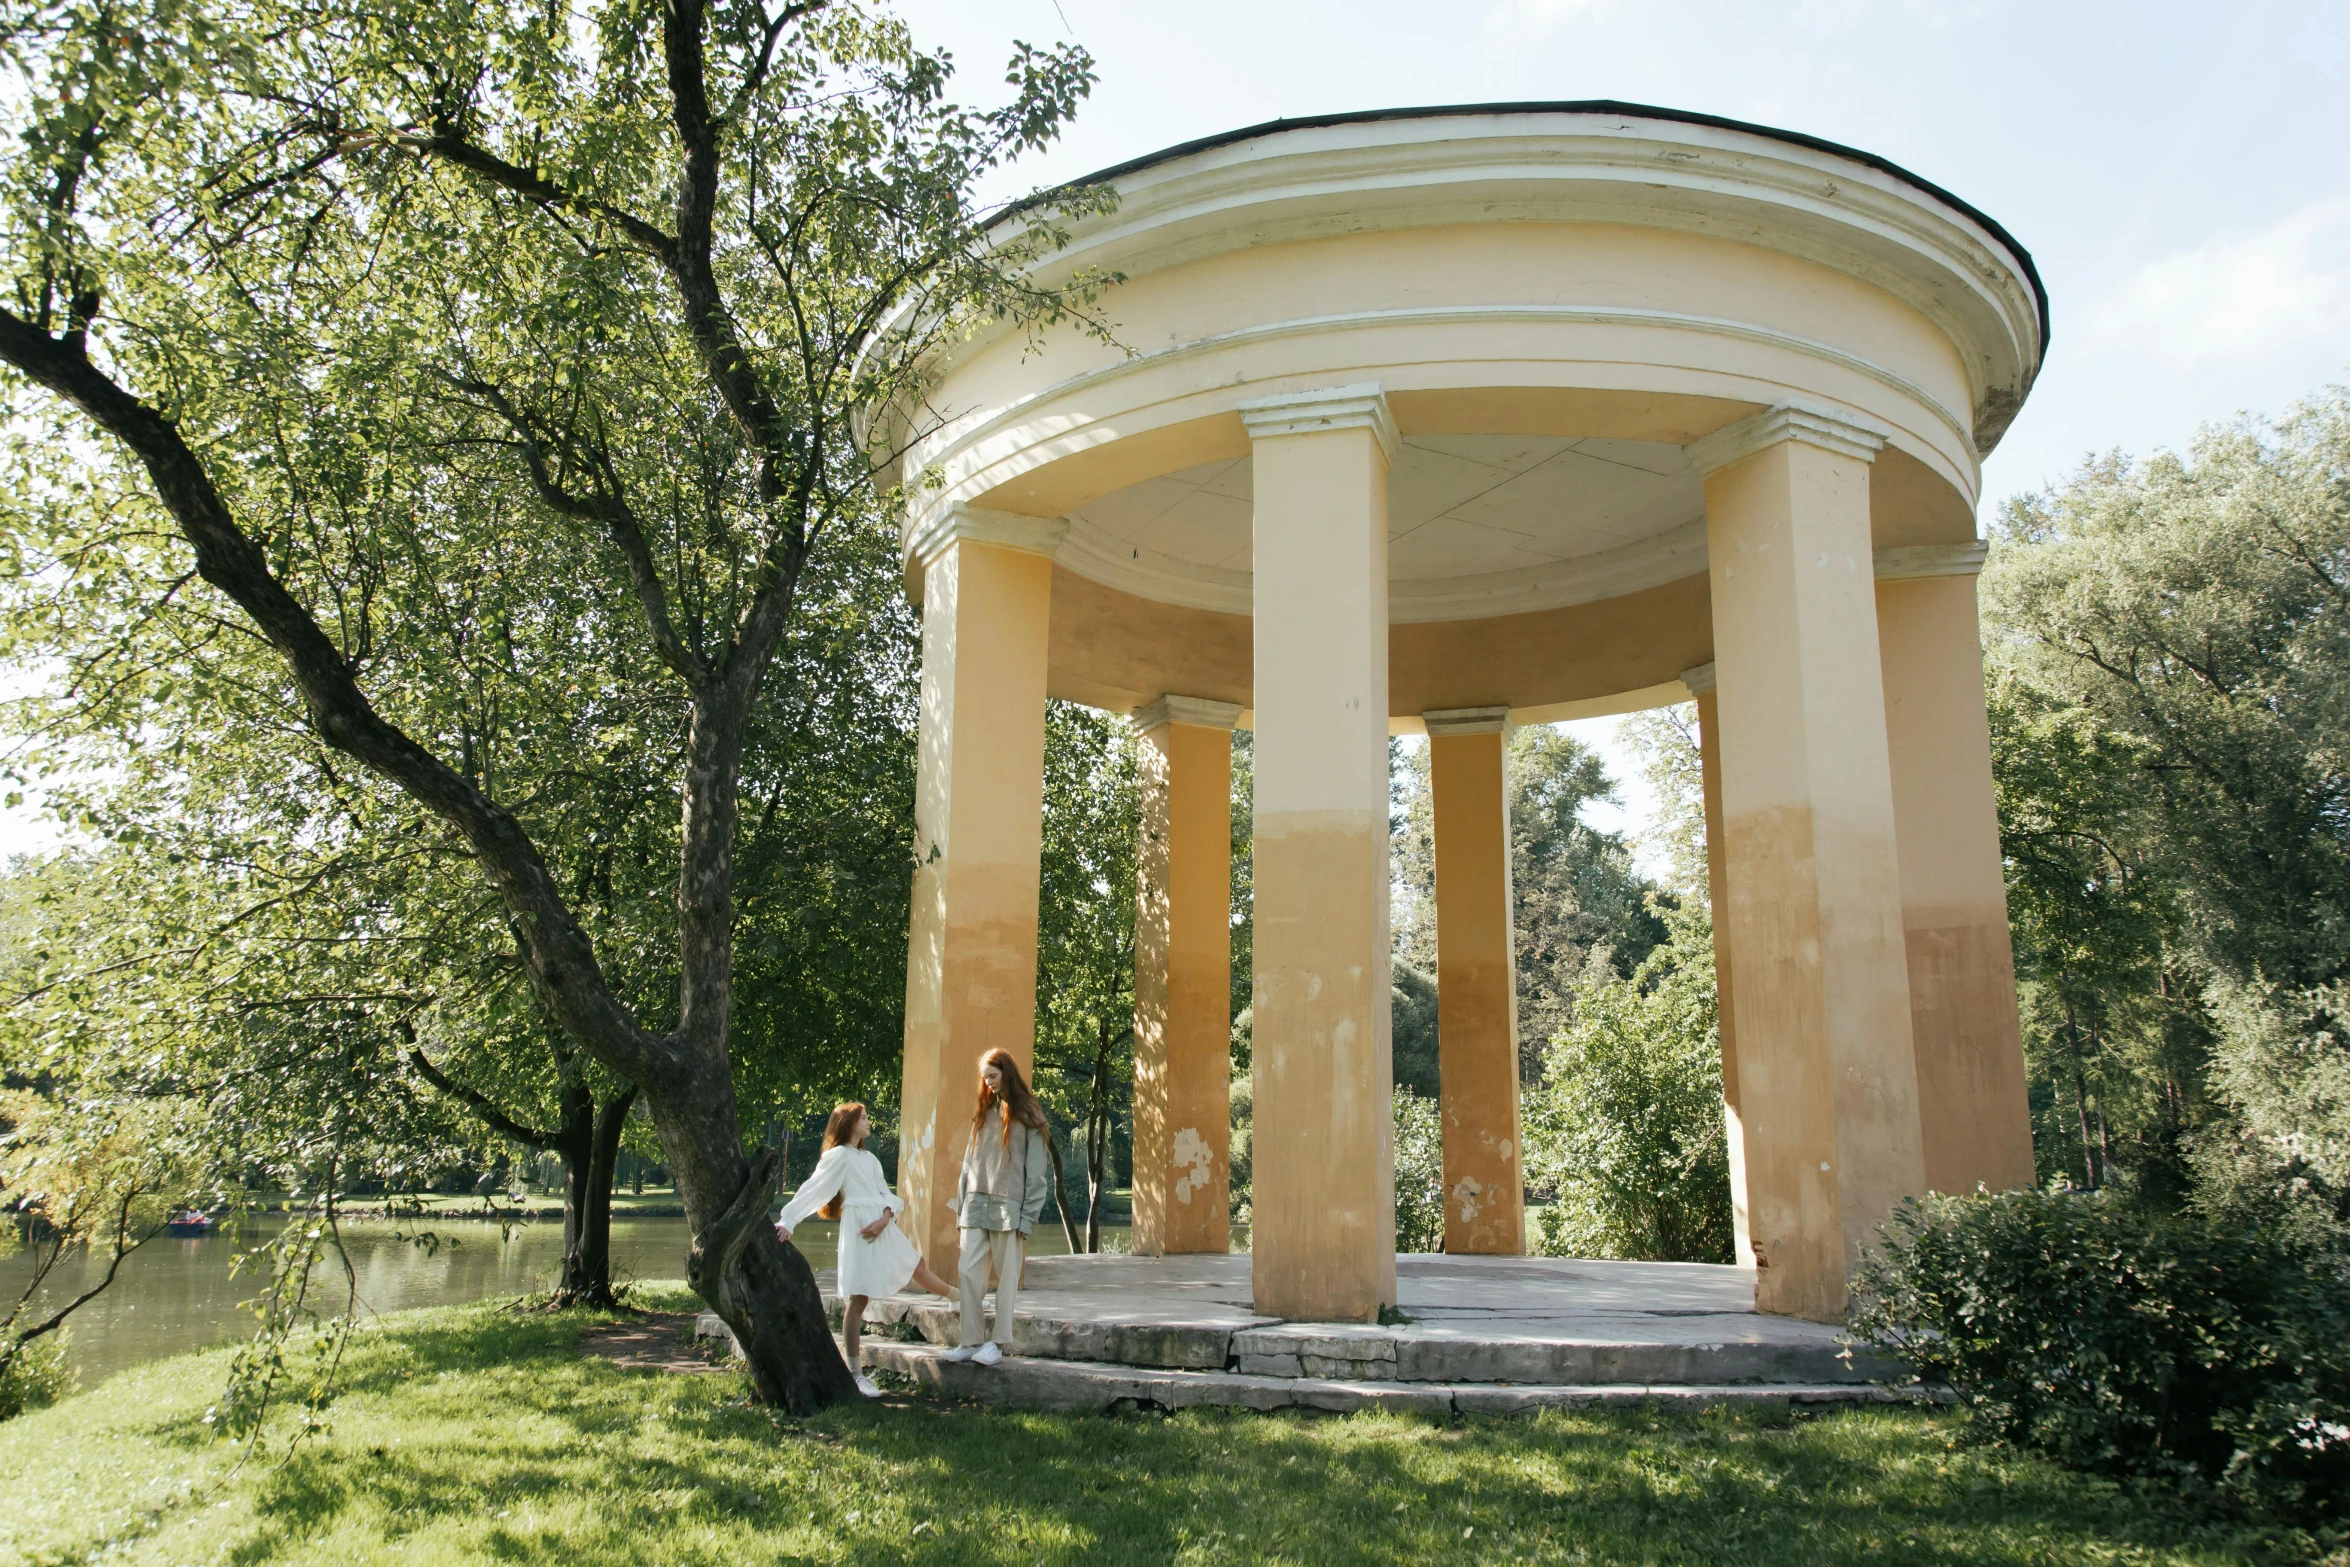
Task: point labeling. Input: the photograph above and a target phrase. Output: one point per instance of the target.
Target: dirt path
(652, 1341)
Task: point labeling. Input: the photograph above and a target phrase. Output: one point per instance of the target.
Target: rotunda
(1445, 420)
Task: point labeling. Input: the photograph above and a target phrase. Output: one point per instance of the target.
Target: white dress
(871, 1268)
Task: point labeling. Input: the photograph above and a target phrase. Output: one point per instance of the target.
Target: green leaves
(2171, 675)
(1626, 1126)
(2204, 1354)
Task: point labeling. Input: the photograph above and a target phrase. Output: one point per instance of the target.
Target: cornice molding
(1444, 722)
(1802, 419)
(940, 447)
(1931, 560)
(1362, 406)
(1699, 680)
(1621, 166)
(1199, 711)
(1005, 529)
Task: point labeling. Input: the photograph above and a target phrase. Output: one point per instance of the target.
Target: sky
(2175, 170)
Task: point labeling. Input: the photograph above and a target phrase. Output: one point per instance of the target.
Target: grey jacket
(1004, 1188)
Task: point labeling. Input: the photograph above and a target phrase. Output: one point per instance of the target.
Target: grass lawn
(478, 1434)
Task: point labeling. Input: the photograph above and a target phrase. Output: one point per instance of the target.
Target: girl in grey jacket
(1007, 1174)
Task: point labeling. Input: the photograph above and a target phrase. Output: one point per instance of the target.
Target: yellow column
(1700, 682)
(1183, 979)
(1975, 1121)
(1323, 1243)
(978, 827)
(1476, 984)
(1819, 991)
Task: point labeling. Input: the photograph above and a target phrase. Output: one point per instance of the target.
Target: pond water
(176, 1294)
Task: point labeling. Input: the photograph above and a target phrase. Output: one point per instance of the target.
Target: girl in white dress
(875, 1256)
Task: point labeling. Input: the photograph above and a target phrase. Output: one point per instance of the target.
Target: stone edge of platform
(1336, 1352)
(1076, 1387)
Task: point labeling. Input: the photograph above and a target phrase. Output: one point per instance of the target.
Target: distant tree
(1625, 1130)
(1085, 937)
(1666, 741)
(1577, 897)
(2172, 645)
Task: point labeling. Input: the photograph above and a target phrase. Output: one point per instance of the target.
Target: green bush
(1626, 1126)
(35, 1376)
(1419, 1174)
(2207, 1354)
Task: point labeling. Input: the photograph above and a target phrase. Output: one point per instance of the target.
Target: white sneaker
(962, 1352)
(987, 1354)
(866, 1387)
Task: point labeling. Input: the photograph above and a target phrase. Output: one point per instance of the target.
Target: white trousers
(1001, 1249)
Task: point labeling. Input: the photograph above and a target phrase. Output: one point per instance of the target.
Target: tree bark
(591, 1260)
(1061, 1191)
(588, 1143)
(1097, 1138)
(2081, 1098)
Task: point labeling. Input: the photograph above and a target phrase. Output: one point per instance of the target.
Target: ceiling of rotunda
(1476, 524)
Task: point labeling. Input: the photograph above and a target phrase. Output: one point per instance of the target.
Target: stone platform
(1475, 1334)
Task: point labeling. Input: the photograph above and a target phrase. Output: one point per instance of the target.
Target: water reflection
(177, 1294)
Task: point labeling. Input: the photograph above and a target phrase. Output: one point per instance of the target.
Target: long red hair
(1017, 1102)
(839, 1128)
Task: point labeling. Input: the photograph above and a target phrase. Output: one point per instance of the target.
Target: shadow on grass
(481, 1435)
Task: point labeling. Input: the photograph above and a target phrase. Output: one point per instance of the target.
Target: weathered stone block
(1347, 1370)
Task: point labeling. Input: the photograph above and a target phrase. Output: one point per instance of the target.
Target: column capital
(1447, 721)
(1205, 712)
(1699, 680)
(1010, 530)
(1362, 406)
(1932, 560)
(1798, 419)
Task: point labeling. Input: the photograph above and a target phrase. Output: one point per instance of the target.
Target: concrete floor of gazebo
(1473, 1333)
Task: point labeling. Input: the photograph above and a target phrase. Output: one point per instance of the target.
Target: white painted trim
(1199, 711)
(1004, 529)
(1804, 419)
(1699, 680)
(1446, 721)
(942, 447)
(1904, 561)
(1362, 406)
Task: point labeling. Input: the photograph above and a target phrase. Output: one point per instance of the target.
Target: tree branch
(756, 77)
(499, 1121)
(608, 506)
(557, 953)
(447, 145)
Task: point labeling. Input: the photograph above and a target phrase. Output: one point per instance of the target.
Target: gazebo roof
(1614, 107)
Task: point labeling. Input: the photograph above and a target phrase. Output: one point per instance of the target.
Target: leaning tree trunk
(758, 1283)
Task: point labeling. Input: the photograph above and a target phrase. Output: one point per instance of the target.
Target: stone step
(1024, 1382)
(1605, 1349)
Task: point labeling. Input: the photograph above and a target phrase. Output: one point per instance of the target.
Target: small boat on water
(187, 1221)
